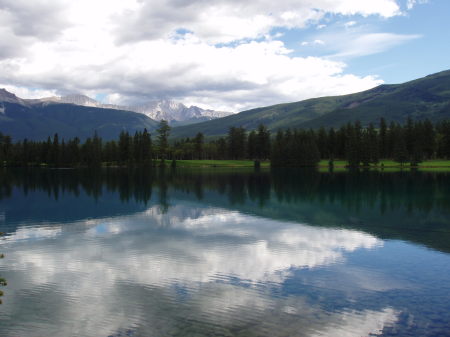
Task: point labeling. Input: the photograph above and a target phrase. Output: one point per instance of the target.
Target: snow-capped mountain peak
(172, 111)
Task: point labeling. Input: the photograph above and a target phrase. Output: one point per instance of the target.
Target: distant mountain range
(38, 119)
(427, 97)
(77, 115)
(174, 112)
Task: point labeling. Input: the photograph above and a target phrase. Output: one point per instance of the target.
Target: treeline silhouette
(412, 142)
(412, 191)
(404, 205)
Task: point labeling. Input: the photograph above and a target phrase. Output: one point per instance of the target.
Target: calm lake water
(224, 253)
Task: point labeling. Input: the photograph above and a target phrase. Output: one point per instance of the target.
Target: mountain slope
(34, 120)
(174, 112)
(427, 97)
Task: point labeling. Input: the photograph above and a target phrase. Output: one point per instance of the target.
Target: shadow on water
(410, 206)
(224, 252)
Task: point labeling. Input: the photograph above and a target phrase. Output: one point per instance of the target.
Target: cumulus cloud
(230, 20)
(40, 19)
(221, 54)
(226, 78)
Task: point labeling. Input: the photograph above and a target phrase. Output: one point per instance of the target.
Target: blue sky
(223, 54)
(415, 58)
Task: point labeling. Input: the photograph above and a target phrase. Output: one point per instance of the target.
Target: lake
(223, 252)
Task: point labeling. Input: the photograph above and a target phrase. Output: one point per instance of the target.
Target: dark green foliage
(383, 139)
(198, 145)
(262, 149)
(251, 145)
(444, 140)
(163, 139)
(413, 142)
(353, 144)
(400, 148)
(237, 140)
(295, 149)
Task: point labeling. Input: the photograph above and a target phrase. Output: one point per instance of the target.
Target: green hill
(38, 121)
(427, 97)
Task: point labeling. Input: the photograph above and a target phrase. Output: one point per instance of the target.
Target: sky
(228, 55)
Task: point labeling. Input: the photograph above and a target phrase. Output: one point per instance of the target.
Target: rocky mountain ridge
(175, 112)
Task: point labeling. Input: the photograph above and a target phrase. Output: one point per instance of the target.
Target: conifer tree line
(411, 142)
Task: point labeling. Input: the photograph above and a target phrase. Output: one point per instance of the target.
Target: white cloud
(226, 78)
(411, 3)
(25, 92)
(139, 50)
(229, 20)
(371, 43)
(345, 44)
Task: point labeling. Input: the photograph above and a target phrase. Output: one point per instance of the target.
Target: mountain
(174, 112)
(8, 97)
(37, 119)
(177, 113)
(427, 97)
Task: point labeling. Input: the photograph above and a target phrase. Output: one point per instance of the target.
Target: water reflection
(183, 253)
(223, 267)
(403, 205)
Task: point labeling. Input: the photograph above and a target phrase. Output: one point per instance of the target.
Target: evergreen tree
(54, 152)
(373, 144)
(262, 143)
(365, 153)
(96, 160)
(147, 150)
(428, 139)
(322, 143)
(163, 139)
(236, 142)
(252, 145)
(198, 145)
(353, 153)
(277, 153)
(73, 149)
(137, 147)
(383, 139)
(400, 150)
(221, 148)
(445, 139)
(332, 144)
(124, 148)
(409, 136)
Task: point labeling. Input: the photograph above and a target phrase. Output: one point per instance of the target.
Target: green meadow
(441, 165)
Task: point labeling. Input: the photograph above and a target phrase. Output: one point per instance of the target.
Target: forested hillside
(424, 98)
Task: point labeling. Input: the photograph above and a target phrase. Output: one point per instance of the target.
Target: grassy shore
(443, 165)
(338, 165)
(218, 163)
(392, 164)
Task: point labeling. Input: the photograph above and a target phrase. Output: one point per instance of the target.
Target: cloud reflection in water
(190, 264)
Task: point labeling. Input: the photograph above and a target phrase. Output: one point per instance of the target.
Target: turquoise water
(224, 253)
